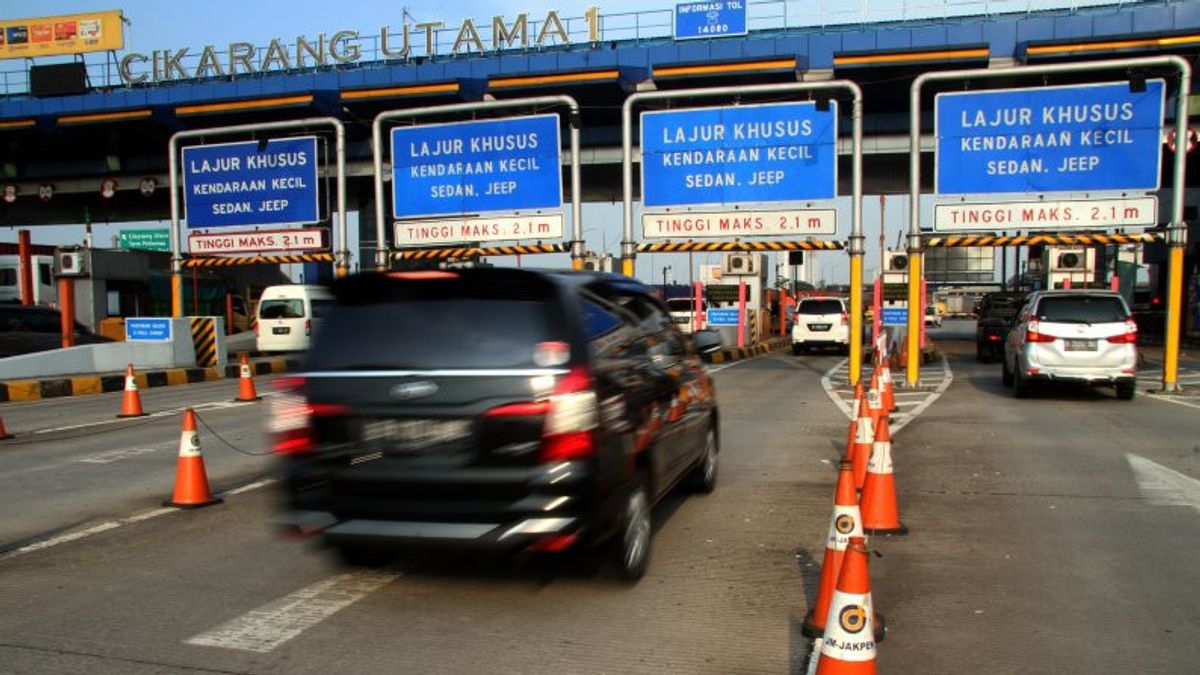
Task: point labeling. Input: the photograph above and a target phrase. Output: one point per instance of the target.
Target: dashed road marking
(266, 628)
(198, 407)
(111, 456)
(1163, 486)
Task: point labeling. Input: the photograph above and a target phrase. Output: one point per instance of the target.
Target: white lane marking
(76, 535)
(198, 407)
(900, 420)
(727, 365)
(1164, 486)
(263, 629)
(941, 389)
(827, 385)
(1176, 399)
(111, 456)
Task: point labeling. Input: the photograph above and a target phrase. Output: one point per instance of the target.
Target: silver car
(1082, 336)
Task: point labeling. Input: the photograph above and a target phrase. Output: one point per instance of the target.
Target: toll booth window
(281, 309)
(44, 274)
(8, 277)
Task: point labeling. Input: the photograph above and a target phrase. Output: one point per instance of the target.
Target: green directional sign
(146, 240)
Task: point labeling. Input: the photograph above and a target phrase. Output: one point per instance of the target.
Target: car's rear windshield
(820, 307)
(1081, 309)
(289, 308)
(679, 304)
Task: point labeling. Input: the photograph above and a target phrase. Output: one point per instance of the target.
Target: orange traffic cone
(3, 432)
(855, 406)
(875, 406)
(131, 402)
(844, 524)
(880, 513)
(191, 480)
(246, 391)
(864, 438)
(888, 386)
(848, 646)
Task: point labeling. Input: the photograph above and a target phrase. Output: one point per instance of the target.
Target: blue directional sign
(507, 164)
(894, 316)
(694, 20)
(251, 183)
(722, 316)
(147, 330)
(776, 152)
(1075, 138)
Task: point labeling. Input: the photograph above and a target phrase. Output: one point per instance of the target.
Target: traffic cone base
(246, 391)
(191, 480)
(3, 431)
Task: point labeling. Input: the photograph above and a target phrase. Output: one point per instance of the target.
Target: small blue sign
(722, 316)
(894, 316)
(251, 183)
(1076, 138)
(696, 20)
(147, 330)
(461, 168)
(776, 152)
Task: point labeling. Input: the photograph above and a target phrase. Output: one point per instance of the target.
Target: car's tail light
(423, 275)
(291, 417)
(568, 431)
(1035, 335)
(845, 319)
(994, 338)
(1129, 337)
(307, 327)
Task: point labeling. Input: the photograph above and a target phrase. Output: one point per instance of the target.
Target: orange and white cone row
(848, 645)
(864, 438)
(191, 480)
(880, 512)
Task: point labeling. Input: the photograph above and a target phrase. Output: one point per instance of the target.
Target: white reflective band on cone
(864, 433)
(130, 383)
(854, 408)
(245, 371)
(850, 630)
(887, 375)
(845, 523)
(189, 444)
(881, 458)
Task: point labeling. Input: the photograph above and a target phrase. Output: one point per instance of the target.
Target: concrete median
(739, 353)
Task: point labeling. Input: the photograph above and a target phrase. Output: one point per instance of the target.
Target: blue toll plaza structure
(101, 149)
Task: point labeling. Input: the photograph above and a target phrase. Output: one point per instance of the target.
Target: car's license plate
(681, 319)
(415, 435)
(1081, 345)
(818, 326)
(281, 331)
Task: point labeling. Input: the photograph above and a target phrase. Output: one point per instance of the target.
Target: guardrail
(104, 72)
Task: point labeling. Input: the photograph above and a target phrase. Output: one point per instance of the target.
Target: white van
(44, 291)
(287, 316)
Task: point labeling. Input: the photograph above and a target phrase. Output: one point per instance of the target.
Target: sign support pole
(628, 248)
(1176, 229)
(343, 254)
(381, 223)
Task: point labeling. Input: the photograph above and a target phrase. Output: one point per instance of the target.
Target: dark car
(500, 410)
(997, 312)
(30, 329)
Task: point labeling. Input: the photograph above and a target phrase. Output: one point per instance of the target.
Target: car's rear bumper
(1081, 375)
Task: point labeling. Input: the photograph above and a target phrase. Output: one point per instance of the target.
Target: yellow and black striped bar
(1059, 239)
(204, 339)
(710, 246)
(471, 251)
(257, 260)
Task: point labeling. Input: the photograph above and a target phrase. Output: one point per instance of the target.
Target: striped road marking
(266, 628)
(1163, 486)
(836, 384)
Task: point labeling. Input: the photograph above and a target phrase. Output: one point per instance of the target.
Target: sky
(163, 24)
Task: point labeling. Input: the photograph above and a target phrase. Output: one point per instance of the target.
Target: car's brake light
(1034, 334)
(845, 319)
(994, 338)
(571, 417)
(1128, 337)
(291, 415)
(423, 275)
(307, 327)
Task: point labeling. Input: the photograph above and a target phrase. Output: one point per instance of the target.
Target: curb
(86, 385)
(739, 353)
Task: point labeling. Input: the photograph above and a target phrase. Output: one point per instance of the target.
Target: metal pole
(856, 236)
(1175, 231)
(343, 255)
(381, 254)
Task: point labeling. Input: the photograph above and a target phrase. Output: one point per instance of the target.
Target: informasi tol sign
(1078, 138)
(251, 183)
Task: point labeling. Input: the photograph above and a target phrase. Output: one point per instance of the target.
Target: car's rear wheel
(703, 478)
(361, 555)
(1020, 385)
(1126, 390)
(797, 350)
(980, 354)
(632, 546)
(1006, 376)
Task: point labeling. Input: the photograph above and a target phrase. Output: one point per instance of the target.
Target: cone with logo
(131, 401)
(848, 644)
(844, 524)
(3, 431)
(191, 480)
(246, 390)
(864, 437)
(880, 513)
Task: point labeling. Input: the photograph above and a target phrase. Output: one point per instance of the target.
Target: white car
(287, 316)
(682, 314)
(1080, 336)
(932, 318)
(821, 322)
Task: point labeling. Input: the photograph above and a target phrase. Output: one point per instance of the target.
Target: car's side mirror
(706, 341)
